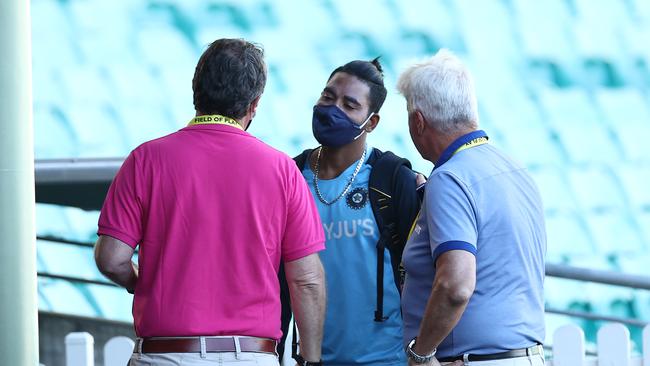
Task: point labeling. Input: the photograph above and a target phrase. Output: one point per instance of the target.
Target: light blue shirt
(480, 201)
(351, 336)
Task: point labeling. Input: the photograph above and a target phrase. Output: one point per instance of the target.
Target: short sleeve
(303, 234)
(451, 217)
(121, 214)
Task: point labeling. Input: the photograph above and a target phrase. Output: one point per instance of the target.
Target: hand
(420, 179)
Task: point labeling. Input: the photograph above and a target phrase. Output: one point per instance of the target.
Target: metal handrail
(598, 276)
(76, 279)
(552, 270)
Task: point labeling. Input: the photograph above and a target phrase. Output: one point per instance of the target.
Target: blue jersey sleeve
(451, 215)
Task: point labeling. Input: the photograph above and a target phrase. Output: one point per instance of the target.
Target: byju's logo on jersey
(357, 198)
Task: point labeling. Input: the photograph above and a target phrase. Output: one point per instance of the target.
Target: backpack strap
(382, 194)
(301, 159)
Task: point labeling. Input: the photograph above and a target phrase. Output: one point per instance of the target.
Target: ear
(253, 107)
(372, 123)
(420, 122)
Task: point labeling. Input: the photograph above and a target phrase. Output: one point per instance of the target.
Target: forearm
(441, 315)
(113, 259)
(308, 301)
(125, 275)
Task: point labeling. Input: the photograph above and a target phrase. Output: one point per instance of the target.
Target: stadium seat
(634, 179)
(615, 232)
(64, 297)
(567, 237)
(596, 188)
(68, 260)
(435, 18)
(80, 80)
(83, 224)
(487, 29)
(625, 107)
(177, 52)
(627, 111)
(97, 131)
(560, 293)
(603, 62)
(149, 91)
(599, 145)
(643, 218)
(114, 302)
(51, 222)
(549, 54)
(141, 123)
(53, 40)
(53, 138)
(535, 146)
(641, 10)
(509, 110)
(347, 16)
(571, 105)
(554, 189)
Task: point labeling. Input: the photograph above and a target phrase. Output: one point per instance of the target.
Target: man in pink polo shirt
(213, 210)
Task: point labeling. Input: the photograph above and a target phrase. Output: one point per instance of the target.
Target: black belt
(524, 352)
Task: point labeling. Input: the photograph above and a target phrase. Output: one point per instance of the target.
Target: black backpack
(391, 176)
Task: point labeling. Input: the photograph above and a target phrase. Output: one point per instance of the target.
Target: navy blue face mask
(332, 127)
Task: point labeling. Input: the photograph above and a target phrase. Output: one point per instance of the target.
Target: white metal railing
(613, 348)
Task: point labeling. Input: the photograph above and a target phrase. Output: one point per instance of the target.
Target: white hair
(441, 88)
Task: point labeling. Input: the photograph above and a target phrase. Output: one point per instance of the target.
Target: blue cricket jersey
(351, 336)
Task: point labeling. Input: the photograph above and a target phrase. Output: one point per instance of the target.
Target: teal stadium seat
(549, 54)
(567, 237)
(51, 221)
(571, 113)
(596, 189)
(97, 131)
(487, 30)
(634, 179)
(65, 297)
(434, 18)
(554, 188)
(53, 137)
(627, 111)
(615, 232)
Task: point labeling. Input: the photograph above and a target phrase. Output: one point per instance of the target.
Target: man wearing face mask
(367, 201)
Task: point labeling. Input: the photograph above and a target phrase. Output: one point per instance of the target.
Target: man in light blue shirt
(475, 258)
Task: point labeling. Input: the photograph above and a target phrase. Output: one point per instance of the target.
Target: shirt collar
(451, 149)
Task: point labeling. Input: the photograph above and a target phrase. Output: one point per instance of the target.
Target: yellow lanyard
(476, 142)
(215, 119)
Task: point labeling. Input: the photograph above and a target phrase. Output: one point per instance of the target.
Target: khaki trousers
(537, 360)
(195, 359)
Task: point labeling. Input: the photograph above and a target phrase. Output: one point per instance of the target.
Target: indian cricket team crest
(357, 198)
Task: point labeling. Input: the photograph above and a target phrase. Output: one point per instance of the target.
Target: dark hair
(228, 77)
(371, 73)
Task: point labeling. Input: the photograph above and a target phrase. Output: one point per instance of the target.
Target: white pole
(18, 299)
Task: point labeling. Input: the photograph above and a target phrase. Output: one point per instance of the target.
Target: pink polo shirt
(212, 209)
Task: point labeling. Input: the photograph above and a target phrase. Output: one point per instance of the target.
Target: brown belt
(212, 344)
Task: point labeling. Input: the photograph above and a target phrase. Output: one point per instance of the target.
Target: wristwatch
(302, 362)
(418, 358)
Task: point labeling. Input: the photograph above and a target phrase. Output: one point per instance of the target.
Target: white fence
(613, 344)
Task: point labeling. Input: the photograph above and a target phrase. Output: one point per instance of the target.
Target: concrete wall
(53, 328)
